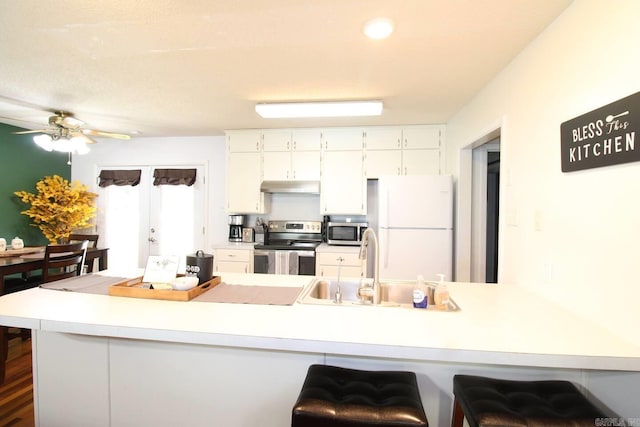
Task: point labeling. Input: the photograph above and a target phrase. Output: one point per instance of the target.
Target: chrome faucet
(370, 292)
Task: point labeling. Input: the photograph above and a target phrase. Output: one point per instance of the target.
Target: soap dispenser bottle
(420, 294)
(441, 294)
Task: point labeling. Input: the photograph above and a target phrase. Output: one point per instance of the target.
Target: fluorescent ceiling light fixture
(319, 109)
(378, 29)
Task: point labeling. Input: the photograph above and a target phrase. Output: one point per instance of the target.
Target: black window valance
(174, 177)
(119, 177)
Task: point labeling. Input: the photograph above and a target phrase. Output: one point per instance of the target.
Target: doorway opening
(485, 203)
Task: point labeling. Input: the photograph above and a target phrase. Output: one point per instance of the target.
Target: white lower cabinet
(347, 263)
(233, 260)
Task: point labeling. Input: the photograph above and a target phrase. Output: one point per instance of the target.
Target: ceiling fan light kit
(66, 135)
(75, 145)
(319, 109)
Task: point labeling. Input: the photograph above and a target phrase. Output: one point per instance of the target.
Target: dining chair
(63, 261)
(93, 243)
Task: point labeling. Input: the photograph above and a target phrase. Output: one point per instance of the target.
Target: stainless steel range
(289, 248)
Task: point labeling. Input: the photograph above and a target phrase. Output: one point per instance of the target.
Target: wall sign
(602, 137)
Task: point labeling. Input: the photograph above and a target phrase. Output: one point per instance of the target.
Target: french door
(137, 221)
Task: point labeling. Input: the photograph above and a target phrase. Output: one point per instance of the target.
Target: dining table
(30, 259)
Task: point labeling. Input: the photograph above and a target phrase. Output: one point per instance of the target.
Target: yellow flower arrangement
(59, 207)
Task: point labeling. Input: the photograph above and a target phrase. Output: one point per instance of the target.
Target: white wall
(573, 236)
(166, 151)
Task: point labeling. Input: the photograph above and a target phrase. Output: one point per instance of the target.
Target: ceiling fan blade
(105, 134)
(23, 132)
(83, 137)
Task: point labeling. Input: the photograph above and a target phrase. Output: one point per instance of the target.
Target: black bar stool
(493, 402)
(333, 396)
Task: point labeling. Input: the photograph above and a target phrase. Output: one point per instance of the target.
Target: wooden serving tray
(133, 288)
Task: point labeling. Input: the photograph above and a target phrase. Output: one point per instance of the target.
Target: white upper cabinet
(244, 173)
(244, 141)
(306, 139)
(342, 159)
(420, 137)
(276, 140)
(291, 155)
(383, 138)
(406, 150)
(343, 184)
(342, 139)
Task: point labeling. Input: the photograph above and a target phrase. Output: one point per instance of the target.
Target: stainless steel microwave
(345, 233)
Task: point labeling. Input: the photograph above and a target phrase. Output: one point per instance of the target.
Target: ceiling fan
(65, 133)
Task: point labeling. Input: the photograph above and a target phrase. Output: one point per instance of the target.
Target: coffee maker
(235, 227)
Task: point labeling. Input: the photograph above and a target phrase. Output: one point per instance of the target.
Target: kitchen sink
(392, 294)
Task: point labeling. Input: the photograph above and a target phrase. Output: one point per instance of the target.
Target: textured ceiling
(197, 67)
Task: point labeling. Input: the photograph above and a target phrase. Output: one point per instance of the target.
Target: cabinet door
(343, 187)
(306, 139)
(421, 162)
(242, 141)
(276, 165)
(342, 139)
(276, 140)
(383, 162)
(305, 165)
(421, 137)
(332, 271)
(384, 138)
(243, 183)
(232, 267)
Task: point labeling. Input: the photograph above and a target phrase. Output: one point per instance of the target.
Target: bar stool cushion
(496, 402)
(334, 396)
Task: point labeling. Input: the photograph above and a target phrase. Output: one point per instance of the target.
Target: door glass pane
(175, 220)
(120, 225)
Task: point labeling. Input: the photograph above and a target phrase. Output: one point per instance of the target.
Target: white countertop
(497, 324)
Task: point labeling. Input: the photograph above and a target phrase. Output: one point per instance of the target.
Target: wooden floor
(16, 394)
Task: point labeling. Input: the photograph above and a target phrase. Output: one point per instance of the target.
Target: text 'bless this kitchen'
(602, 137)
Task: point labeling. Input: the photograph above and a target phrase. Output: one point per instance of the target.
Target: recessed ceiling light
(319, 109)
(378, 29)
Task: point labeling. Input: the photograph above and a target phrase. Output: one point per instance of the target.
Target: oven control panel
(295, 227)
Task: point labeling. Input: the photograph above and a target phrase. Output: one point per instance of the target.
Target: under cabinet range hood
(312, 187)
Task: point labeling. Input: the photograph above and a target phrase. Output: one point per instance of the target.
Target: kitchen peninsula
(115, 361)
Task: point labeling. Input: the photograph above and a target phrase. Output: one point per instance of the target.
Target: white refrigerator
(415, 227)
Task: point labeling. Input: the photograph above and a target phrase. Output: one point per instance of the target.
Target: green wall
(22, 164)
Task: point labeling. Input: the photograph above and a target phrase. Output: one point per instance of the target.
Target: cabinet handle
(288, 145)
(287, 174)
(405, 170)
(294, 145)
(294, 174)
(399, 143)
(405, 143)
(398, 170)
